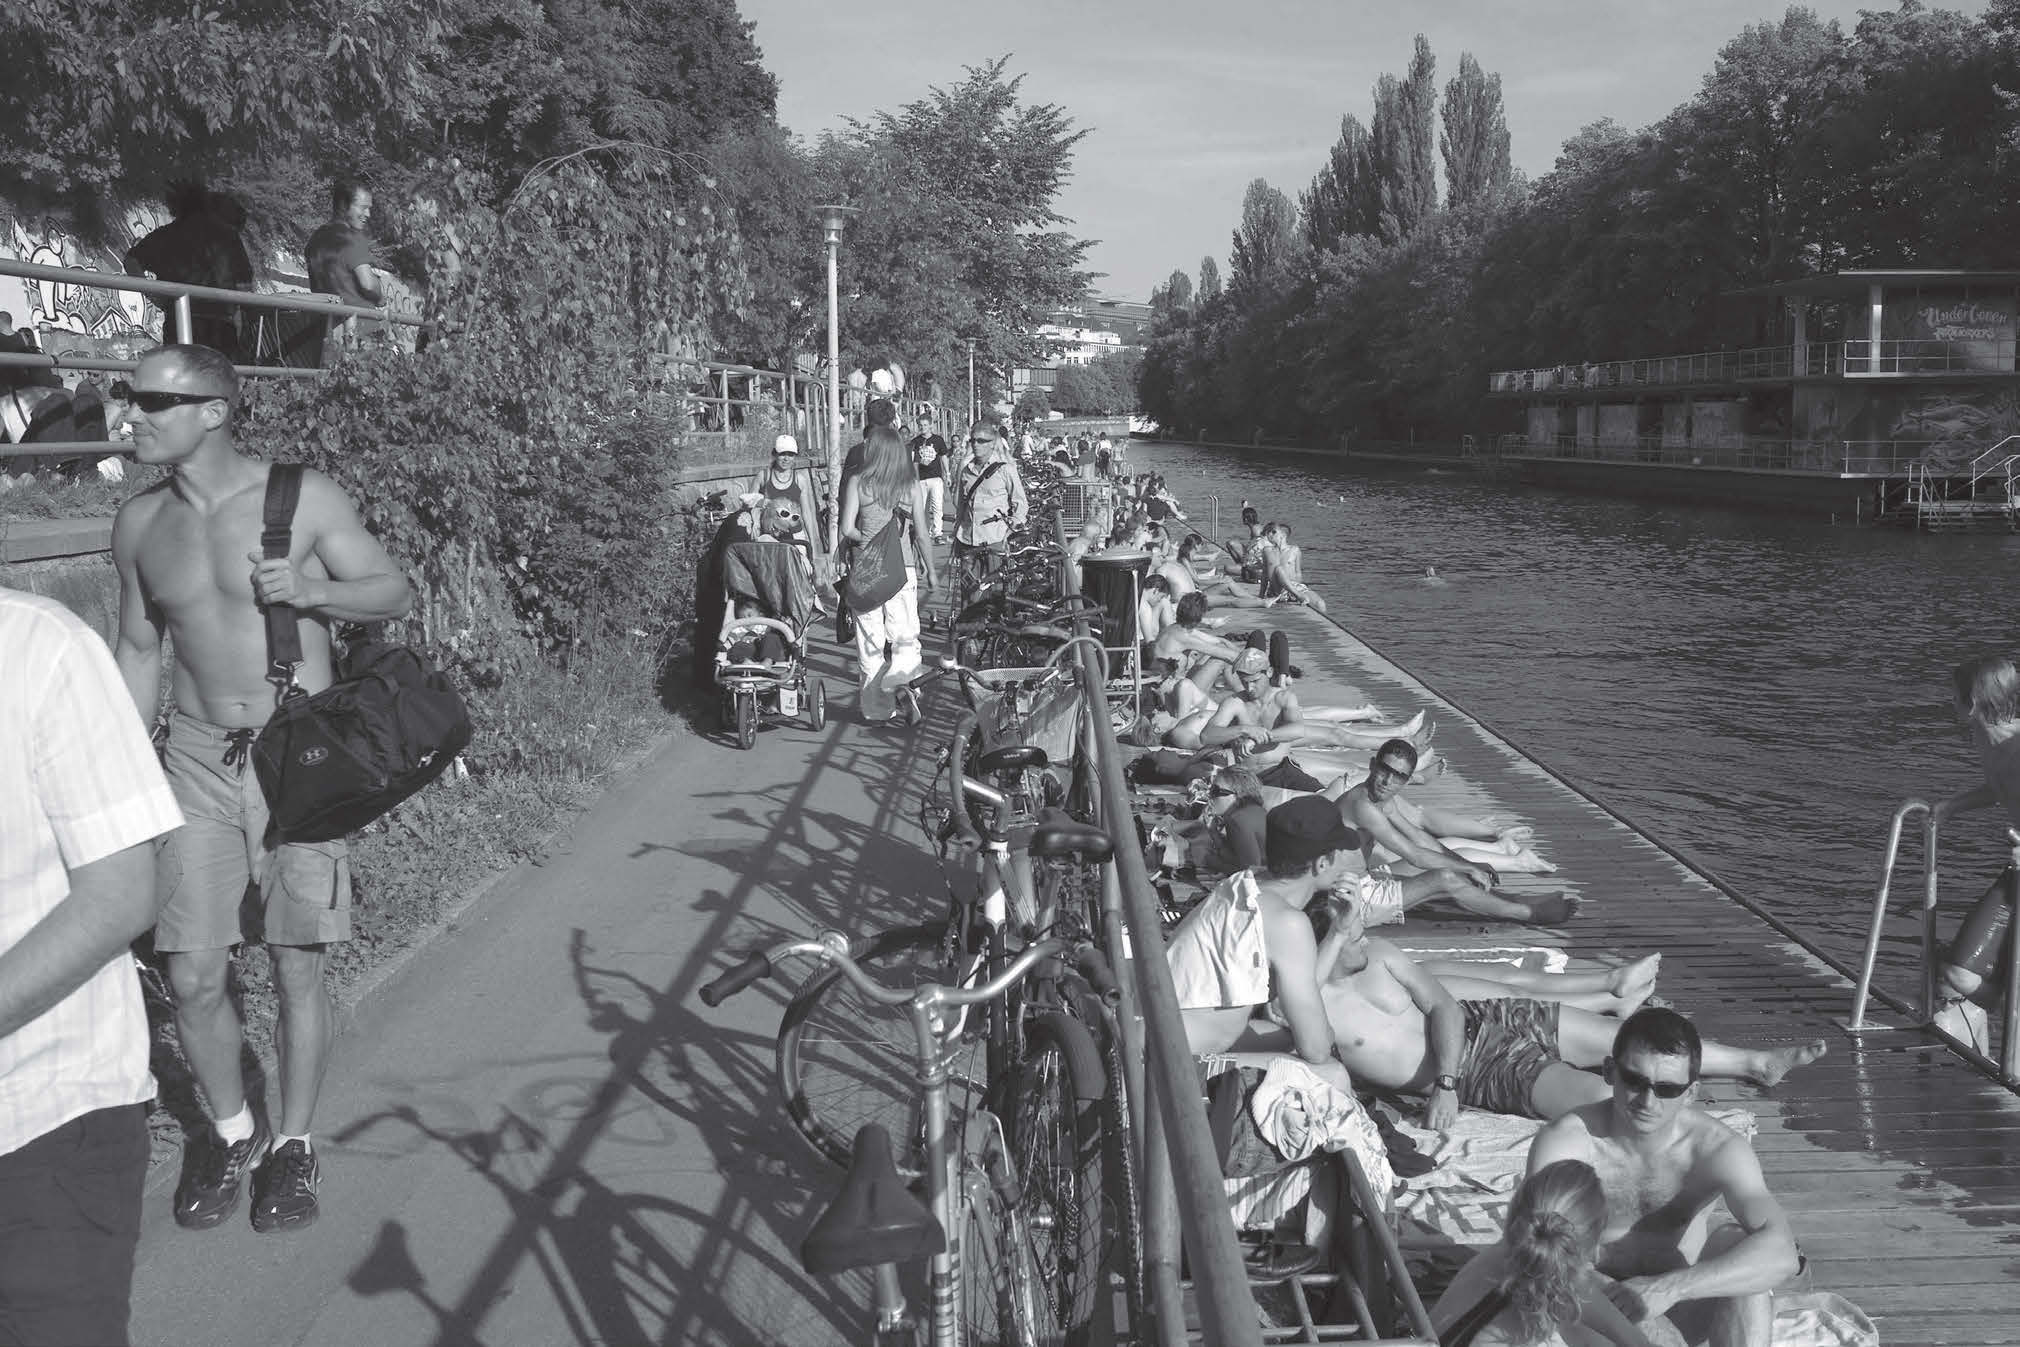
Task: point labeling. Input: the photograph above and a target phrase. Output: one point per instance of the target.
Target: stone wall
(87, 585)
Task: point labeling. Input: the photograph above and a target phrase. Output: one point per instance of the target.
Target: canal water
(1756, 691)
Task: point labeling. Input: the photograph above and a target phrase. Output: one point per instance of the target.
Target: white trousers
(936, 502)
(887, 648)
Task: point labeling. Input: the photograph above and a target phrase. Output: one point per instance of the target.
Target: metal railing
(1812, 360)
(180, 296)
(1184, 1196)
(2007, 1067)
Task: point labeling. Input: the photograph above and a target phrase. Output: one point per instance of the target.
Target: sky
(1186, 101)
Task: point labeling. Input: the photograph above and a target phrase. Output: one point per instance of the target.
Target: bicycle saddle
(1058, 836)
(1011, 758)
(874, 1219)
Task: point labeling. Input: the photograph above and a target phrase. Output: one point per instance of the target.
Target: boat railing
(1996, 461)
(1862, 458)
(1863, 358)
(2007, 1066)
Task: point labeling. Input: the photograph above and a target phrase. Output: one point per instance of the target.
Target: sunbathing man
(1284, 569)
(1252, 927)
(1246, 550)
(1265, 716)
(1400, 1027)
(1182, 573)
(1203, 658)
(1665, 1163)
(1397, 826)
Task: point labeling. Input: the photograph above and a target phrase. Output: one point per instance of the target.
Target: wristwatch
(1446, 1083)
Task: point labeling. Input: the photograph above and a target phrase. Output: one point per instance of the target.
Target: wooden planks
(1898, 1163)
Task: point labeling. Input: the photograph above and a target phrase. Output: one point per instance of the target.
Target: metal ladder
(2007, 1068)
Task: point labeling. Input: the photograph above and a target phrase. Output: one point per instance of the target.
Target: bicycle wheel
(844, 1060)
(999, 1286)
(1057, 1139)
(1121, 1187)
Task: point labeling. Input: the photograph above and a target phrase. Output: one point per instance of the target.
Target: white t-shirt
(78, 782)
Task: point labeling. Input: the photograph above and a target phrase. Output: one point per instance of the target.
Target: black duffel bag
(331, 762)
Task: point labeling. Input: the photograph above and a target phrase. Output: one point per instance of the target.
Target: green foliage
(1474, 141)
(1345, 199)
(1105, 386)
(1209, 281)
(1267, 243)
(1400, 145)
(1032, 405)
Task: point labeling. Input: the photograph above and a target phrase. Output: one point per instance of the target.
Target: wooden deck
(1899, 1163)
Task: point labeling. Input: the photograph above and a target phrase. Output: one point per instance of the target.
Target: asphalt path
(535, 1133)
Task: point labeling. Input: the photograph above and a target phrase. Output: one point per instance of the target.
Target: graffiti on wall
(102, 315)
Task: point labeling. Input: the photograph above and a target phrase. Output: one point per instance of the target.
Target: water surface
(1757, 691)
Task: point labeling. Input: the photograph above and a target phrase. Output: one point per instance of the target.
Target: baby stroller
(760, 657)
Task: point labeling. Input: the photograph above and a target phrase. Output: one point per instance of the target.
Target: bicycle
(1033, 1060)
(987, 1283)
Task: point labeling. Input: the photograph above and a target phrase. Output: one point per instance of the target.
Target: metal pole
(832, 220)
(185, 331)
(974, 397)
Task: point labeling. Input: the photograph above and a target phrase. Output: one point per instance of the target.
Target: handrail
(1850, 359)
(1227, 1311)
(293, 300)
(2007, 1067)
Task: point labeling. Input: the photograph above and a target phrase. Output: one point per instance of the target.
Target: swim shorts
(1980, 943)
(1217, 956)
(219, 880)
(1508, 1044)
(1381, 899)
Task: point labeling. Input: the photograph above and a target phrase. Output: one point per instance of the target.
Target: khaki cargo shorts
(220, 882)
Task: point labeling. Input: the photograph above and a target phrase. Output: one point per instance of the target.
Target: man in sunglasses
(1664, 1164)
(190, 565)
(1403, 1028)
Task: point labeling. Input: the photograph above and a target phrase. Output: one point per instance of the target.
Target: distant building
(1101, 325)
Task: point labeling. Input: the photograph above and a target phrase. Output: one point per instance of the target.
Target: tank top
(872, 515)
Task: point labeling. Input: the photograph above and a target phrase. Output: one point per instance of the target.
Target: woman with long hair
(1537, 1287)
(887, 637)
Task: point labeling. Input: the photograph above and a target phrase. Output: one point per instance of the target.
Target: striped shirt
(78, 782)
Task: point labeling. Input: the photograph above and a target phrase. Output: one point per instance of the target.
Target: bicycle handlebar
(833, 947)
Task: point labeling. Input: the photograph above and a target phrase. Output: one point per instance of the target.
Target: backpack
(330, 763)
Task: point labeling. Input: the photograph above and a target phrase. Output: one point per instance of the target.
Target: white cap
(785, 444)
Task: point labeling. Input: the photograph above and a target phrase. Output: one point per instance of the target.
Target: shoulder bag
(877, 568)
(330, 763)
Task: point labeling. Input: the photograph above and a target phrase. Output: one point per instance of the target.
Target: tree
(1172, 298)
(1474, 142)
(1266, 241)
(1400, 143)
(1032, 405)
(1345, 198)
(1209, 281)
(958, 232)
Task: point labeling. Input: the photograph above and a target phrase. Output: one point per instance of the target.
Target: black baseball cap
(1299, 831)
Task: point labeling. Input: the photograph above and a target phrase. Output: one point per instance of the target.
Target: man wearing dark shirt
(929, 456)
(339, 255)
(198, 246)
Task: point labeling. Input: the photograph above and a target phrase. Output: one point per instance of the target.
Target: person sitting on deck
(1251, 933)
(1265, 715)
(1204, 658)
(1665, 1164)
(1987, 695)
(1462, 1040)
(1182, 572)
(1538, 1286)
(1247, 550)
(1284, 569)
(1396, 825)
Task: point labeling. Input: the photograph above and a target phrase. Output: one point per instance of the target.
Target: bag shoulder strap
(968, 496)
(277, 519)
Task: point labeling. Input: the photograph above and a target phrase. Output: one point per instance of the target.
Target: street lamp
(832, 219)
(974, 398)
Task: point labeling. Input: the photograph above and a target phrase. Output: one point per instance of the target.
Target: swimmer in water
(1432, 578)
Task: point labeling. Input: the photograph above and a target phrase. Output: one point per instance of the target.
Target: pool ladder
(2008, 1066)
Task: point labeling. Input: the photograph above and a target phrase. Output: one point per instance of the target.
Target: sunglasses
(153, 400)
(1637, 1083)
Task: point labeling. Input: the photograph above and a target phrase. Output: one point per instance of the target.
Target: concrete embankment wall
(67, 559)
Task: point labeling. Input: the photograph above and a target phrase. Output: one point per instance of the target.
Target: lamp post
(832, 219)
(974, 398)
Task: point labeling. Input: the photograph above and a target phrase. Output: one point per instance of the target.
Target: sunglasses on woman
(152, 400)
(1637, 1083)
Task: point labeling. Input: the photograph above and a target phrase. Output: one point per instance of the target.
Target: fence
(1812, 360)
(1837, 458)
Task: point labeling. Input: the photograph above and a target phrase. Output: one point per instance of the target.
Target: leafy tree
(1345, 198)
(1474, 142)
(1265, 243)
(1209, 280)
(958, 232)
(1032, 405)
(1171, 298)
(1400, 141)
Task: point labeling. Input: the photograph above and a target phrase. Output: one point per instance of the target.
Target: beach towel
(1464, 1200)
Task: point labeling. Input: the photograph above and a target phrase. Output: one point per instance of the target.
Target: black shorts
(69, 1223)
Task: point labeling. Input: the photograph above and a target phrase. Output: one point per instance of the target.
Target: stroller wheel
(817, 704)
(746, 720)
(726, 710)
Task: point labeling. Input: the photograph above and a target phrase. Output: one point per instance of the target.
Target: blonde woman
(1538, 1287)
(887, 637)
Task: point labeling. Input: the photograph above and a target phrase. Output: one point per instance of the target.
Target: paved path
(536, 1133)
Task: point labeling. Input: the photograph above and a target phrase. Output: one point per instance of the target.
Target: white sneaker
(1966, 1022)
